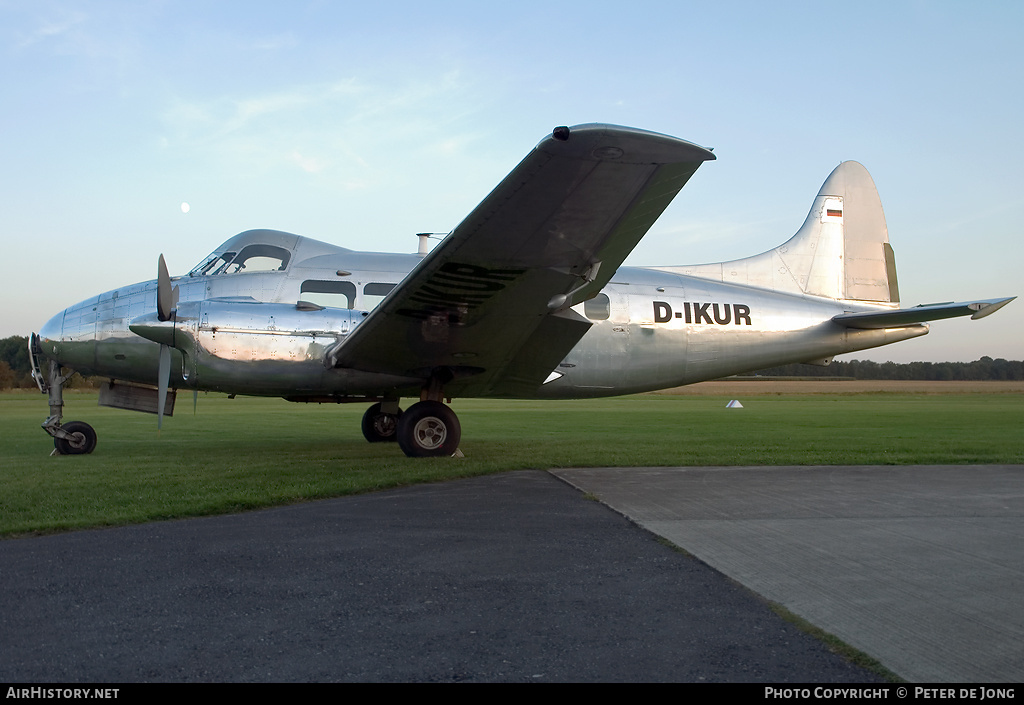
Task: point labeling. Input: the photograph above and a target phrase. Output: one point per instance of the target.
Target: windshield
(252, 258)
(214, 264)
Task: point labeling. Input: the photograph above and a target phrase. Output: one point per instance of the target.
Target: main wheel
(429, 429)
(379, 427)
(82, 441)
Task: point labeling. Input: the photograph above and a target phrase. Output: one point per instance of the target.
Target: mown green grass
(237, 454)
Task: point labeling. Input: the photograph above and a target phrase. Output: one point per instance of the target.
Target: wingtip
(987, 308)
(607, 142)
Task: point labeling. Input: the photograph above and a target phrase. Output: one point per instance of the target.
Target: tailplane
(841, 252)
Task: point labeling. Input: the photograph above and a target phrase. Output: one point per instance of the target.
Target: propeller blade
(164, 378)
(166, 302)
(166, 296)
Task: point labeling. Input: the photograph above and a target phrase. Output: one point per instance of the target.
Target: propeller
(166, 297)
(166, 301)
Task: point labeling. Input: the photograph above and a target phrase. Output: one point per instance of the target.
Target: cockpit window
(214, 264)
(252, 258)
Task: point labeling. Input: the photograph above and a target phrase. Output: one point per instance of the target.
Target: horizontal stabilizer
(920, 314)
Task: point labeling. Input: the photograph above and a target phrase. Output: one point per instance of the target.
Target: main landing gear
(380, 422)
(429, 428)
(426, 429)
(73, 437)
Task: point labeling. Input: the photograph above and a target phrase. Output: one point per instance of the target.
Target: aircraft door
(659, 349)
(704, 335)
(597, 365)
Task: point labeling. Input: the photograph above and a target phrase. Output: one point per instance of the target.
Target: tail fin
(841, 252)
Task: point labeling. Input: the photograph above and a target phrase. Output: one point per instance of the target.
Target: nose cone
(70, 338)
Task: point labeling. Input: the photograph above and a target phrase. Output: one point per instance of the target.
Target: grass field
(236, 454)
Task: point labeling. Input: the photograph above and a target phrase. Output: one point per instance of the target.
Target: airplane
(525, 298)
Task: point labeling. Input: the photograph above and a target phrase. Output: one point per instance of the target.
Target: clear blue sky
(364, 123)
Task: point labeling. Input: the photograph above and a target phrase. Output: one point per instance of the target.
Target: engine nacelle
(228, 344)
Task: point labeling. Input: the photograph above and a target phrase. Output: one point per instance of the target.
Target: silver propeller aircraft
(524, 299)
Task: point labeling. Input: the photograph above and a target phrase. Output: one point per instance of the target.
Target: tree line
(16, 370)
(982, 369)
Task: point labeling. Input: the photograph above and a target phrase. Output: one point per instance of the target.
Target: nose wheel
(79, 439)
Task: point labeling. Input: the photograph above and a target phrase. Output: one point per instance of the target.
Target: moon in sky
(185, 207)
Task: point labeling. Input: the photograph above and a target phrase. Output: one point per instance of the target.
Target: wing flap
(921, 314)
(548, 345)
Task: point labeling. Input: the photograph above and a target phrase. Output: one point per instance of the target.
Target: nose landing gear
(73, 437)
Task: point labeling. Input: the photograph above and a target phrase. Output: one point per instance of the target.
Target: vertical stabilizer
(842, 250)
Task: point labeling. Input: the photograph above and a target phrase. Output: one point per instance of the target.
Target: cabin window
(332, 294)
(374, 293)
(598, 308)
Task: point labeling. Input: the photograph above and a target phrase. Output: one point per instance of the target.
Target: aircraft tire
(429, 429)
(379, 427)
(83, 439)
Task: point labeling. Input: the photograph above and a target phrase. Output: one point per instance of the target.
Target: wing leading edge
(489, 306)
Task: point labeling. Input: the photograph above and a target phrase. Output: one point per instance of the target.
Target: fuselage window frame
(598, 308)
(374, 293)
(332, 289)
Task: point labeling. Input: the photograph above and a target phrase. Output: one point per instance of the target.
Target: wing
(920, 314)
(487, 310)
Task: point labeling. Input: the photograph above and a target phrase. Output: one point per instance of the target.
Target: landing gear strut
(73, 437)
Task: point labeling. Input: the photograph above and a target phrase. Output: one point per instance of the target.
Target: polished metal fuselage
(244, 332)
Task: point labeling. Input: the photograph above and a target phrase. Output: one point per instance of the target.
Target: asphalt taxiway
(513, 577)
(522, 577)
